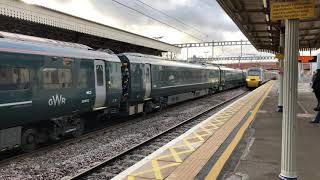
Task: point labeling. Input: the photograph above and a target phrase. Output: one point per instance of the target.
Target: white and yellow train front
(255, 77)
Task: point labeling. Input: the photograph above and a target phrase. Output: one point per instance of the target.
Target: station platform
(261, 157)
(202, 151)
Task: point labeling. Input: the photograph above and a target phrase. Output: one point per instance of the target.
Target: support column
(212, 53)
(290, 81)
(280, 75)
(187, 54)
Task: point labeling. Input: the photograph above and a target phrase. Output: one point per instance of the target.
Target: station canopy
(253, 19)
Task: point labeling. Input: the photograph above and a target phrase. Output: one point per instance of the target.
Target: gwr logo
(57, 100)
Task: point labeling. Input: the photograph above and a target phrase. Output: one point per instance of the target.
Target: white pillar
(187, 54)
(318, 62)
(280, 75)
(290, 81)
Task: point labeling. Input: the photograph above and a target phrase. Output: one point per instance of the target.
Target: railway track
(88, 135)
(99, 165)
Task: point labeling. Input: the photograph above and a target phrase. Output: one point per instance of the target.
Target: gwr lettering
(56, 100)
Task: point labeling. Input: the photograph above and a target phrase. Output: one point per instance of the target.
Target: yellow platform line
(216, 169)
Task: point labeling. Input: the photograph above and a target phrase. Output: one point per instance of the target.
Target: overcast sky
(203, 19)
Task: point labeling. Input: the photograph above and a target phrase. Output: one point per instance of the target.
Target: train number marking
(89, 92)
(85, 101)
(57, 100)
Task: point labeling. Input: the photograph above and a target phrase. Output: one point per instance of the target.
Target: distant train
(258, 76)
(49, 88)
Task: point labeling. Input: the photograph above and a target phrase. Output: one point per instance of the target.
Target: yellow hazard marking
(209, 131)
(198, 136)
(221, 120)
(175, 155)
(186, 142)
(156, 169)
(216, 169)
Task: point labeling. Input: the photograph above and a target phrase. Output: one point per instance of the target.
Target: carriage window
(99, 74)
(147, 73)
(83, 78)
(14, 78)
(56, 78)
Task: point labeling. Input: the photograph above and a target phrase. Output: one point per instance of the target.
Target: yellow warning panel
(154, 169)
(293, 9)
(174, 154)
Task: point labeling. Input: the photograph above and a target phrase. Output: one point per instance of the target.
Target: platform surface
(262, 158)
(209, 144)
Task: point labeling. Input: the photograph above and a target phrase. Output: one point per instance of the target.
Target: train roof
(254, 68)
(230, 69)
(155, 60)
(42, 46)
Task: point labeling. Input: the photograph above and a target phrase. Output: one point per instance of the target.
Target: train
(49, 88)
(257, 76)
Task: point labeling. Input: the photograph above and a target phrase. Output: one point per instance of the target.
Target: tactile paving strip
(164, 161)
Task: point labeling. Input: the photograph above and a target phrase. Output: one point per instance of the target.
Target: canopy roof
(253, 19)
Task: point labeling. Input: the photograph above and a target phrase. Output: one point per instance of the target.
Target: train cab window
(14, 78)
(253, 73)
(54, 78)
(99, 74)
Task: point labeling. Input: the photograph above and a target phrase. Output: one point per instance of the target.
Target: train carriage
(44, 87)
(231, 78)
(156, 83)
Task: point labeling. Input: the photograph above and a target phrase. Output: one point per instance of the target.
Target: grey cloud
(204, 15)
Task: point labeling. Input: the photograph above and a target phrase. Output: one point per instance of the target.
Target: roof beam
(309, 29)
(264, 31)
(276, 24)
(269, 37)
(310, 20)
(309, 34)
(251, 11)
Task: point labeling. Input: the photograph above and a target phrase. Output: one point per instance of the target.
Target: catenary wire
(142, 13)
(176, 19)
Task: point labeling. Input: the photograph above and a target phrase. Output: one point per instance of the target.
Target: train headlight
(247, 79)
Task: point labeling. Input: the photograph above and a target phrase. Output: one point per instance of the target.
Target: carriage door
(100, 83)
(147, 80)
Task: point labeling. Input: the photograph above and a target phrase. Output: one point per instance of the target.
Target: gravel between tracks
(63, 161)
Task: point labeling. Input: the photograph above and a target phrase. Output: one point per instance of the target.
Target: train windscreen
(253, 73)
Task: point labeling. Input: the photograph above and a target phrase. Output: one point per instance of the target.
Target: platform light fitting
(264, 3)
(267, 17)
